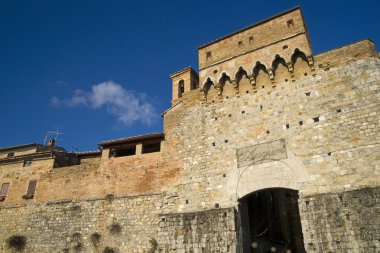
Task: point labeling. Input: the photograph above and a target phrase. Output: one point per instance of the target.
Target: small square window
(11, 154)
(208, 55)
(290, 23)
(240, 43)
(27, 163)
(250, 39)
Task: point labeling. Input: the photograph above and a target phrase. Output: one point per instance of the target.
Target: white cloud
(127, 106)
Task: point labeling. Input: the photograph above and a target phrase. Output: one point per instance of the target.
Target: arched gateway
(269, 221)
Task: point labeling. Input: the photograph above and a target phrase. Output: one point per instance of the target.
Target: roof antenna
(55, 135)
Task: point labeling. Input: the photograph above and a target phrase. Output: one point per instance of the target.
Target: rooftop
(133, 139)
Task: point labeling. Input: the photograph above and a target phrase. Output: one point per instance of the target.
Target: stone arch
(273, 173)
(243, 81)
(300, 64)
(280, 70)
(261, 75)
(223, 78)
(223, 74)
(210, 90)
(227, 86)
(270, 218)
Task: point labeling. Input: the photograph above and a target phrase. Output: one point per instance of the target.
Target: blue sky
(99, 70)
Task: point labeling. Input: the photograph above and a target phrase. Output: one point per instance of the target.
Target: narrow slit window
(31, 189)
(151, 147)
(181, 88)
(27, 163)
(4, 191)
(290, 23)
(208, 55)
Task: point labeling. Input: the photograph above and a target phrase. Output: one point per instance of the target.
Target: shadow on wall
(259, 78)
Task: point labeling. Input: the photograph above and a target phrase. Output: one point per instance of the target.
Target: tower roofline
(250, 26)
(183, 70)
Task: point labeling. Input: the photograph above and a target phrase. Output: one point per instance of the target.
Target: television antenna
(55, 133)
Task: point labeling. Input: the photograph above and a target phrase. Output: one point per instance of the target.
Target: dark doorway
(270, 222)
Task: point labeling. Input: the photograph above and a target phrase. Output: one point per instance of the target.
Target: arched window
(181, 88)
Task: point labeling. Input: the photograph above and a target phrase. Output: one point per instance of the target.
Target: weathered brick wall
(204, 231)
(331, 138)
(125, 224)
(262, 35)
(93, 178)
(342, 222)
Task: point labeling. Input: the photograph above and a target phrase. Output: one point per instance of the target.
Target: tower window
(240, 43)
(250, 39)
(27, 163)
(290, 23)
(11, 154)
(181, 88)
(208, 55)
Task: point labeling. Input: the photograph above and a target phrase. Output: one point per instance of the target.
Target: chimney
(51, 143)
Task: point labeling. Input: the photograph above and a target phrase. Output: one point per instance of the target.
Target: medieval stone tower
(269, 148)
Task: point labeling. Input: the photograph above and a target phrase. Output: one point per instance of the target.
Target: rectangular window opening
(4, 191)
(11, 154)
(208, 55)
(27, 163)
(151, 147)
(123, 151)
(290, 23)
(31, 189)
(250, 40)
(240, 43)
